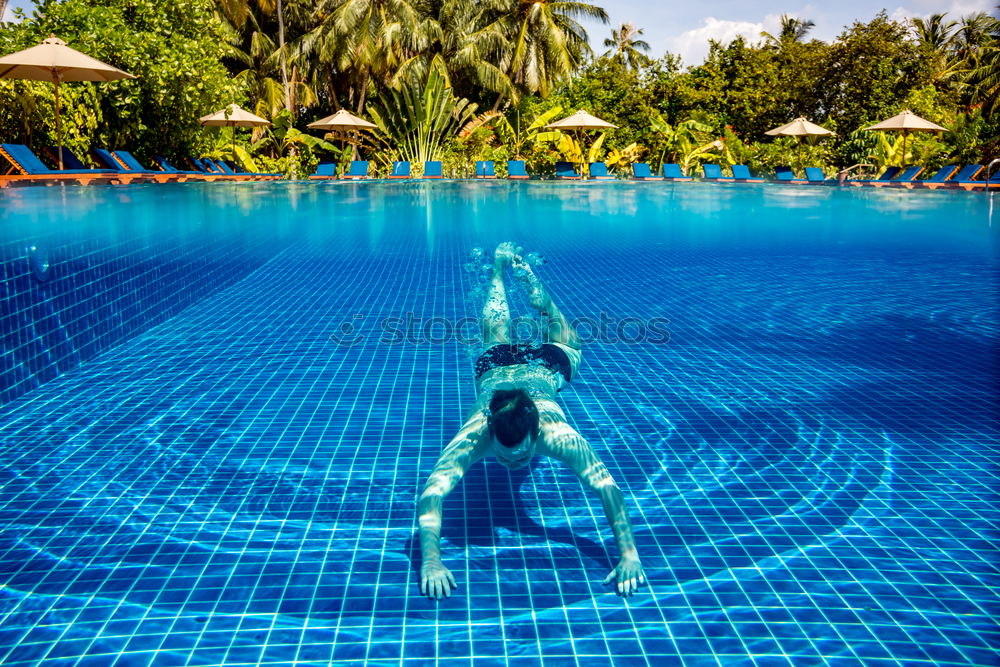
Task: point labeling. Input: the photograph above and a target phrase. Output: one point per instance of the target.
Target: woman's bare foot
(504, 256)
(537, 296)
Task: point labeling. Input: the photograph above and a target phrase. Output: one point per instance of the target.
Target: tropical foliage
(422, 70)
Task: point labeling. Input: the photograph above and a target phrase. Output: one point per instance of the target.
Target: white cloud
(693, 44)
(955, 10)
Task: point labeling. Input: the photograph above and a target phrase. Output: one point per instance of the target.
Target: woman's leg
(559, 329)
(495, 321)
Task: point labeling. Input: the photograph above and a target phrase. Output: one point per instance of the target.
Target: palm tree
(934, 32)
(793, 30)
(370, 41)
(984, 70)
(536, 43)
(625, 48)
(935, 37)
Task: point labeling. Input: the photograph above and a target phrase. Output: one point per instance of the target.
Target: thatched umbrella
(799, 128)
(579, 121)
(53, 61)
(906, 122)
(233, 116)
(342, 121)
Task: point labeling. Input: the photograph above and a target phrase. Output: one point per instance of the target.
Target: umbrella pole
(55, 80)
(234, 145)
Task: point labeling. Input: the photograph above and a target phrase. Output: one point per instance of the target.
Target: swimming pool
(214, 434)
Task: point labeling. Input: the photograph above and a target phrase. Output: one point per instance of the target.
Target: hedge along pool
(221, 401)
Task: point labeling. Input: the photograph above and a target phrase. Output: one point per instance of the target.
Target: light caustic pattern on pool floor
(809, 470)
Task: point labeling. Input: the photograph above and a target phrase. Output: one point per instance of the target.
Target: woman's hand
(629, 574)
(436, 580)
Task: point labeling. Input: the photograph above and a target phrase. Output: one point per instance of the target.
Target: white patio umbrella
(906, 122)
(53, 61)
(800, 127)
(233, 116)
(580, 121)
(343, 121)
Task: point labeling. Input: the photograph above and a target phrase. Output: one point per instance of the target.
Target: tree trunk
(284, 64)
(3, 8)
(496, 105)
(364, 93)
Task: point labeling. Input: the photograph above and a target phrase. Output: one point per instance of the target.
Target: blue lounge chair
(940, 176)
(599, 171)
(358, 170)
(324, 171)
(166, 166)
(128, 161)
(485, 169)
(672, 172)
(905, 178)
(566, 171)
(741, 173)
(31, 168)
(641, 172)
(713, 172)
(400, 170)
(229, 170)
(432, 169)
(887, 175)
(815, 175)
(964, 179)
(785, 175)
(516, 171)
(992, 183)
(108, 161)
(69, 158)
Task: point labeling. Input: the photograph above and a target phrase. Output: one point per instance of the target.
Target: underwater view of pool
(219, 404)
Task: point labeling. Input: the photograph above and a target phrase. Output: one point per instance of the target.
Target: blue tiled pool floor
(810, 465)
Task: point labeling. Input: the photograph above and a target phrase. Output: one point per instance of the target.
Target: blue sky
(684, 27)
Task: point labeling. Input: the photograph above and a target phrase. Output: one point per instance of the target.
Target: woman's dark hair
(513, 416)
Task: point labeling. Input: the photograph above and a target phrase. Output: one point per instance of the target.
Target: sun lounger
(672, 172)
(566, 171)
(992, 184)
(940, 176)
(357, 171)
(641, 172)
(741, 174)
(964, 179)
(485, 169)
(108, 161)
(228, 170)
(905, 178)
(815, 175)
(887, 175)
(32, 169)
(69, 158)
(324, 171)
(713, 172)
(515, 170)
(128, 161)
(432, 169)
(209, 168)
(786, 175)
(400, 170)
(166, 166)
(599, 171)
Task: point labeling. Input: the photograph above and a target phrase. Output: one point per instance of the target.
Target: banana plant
(621, 159)
(518, 138)
(418, 117)
(687, 143)
(889, 151)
